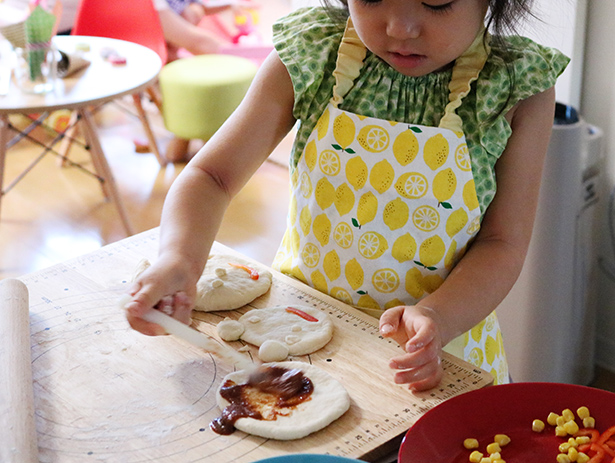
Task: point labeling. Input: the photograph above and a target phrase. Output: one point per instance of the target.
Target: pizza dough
(288, 327)
(227, 282)
(328, 401)
(225, 286)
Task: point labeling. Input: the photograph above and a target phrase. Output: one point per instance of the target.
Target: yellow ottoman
(200, 92)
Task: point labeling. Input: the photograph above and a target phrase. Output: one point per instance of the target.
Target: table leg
(148, 129)
(67, 140)
(102, 168)
(4, 139)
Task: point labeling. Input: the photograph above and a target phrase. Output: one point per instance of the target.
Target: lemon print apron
(381, 211)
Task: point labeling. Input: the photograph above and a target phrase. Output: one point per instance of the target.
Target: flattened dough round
(301, 336)
(224, 287)
(328, 402)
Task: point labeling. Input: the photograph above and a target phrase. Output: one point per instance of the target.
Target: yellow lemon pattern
(369, 196)
(379, 215)
(483, 347)
(373, 138)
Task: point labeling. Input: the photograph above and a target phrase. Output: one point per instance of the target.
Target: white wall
(598, 108)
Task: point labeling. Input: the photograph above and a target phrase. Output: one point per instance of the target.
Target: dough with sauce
(300, 335)
(223, 286)
(327, 403)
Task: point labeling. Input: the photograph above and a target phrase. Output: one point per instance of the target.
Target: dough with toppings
(328, 401)
(228, 282)
(303, 329)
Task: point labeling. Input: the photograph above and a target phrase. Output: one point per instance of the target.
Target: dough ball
(272, 351)
(230, 330)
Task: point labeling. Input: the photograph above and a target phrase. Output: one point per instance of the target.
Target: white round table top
(101, 81)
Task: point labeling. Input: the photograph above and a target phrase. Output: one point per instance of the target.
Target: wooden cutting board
(105, 393)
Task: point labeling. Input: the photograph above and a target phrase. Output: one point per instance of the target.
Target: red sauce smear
(302, 314)
(253, 273)
(278, 386)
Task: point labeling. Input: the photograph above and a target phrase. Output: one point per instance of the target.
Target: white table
(100, 82)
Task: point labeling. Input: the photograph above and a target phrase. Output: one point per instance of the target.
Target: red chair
(134, 21)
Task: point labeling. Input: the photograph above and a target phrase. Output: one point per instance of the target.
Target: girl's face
(417, 37)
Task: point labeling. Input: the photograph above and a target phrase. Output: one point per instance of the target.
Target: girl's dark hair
(503, 16)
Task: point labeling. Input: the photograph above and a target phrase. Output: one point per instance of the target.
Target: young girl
(410, 114)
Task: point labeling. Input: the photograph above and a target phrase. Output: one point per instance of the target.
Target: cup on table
(36, 68)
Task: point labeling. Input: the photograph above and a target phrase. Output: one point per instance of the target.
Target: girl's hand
(166, 286)
(416, 330)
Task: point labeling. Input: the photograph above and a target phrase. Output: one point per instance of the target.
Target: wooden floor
(56, 213)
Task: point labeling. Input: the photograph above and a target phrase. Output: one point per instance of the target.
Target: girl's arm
(197, 200)
(181, 33)
(485, 275)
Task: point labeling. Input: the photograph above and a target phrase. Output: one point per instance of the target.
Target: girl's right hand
(167, 286)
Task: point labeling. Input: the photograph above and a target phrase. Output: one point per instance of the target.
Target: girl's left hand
(414, 328)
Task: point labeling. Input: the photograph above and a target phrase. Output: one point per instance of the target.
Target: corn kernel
(495, 456)
(560, 421)
(560, 431)
(568, 415)
(582, 458)
(563, 458)
(589, 422)
(476, 456)
(499, 460)
(573, 454)
(470, 443)
(501, 439)
(582, 440)
(563, 447)
(583, 412)
(551, 419)
(571, 427)
(493, 448)
(485, 460)
(538, 426)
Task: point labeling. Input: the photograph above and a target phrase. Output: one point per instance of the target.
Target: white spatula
(196, 338)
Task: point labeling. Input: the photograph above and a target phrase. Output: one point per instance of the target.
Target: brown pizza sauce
(270, 392)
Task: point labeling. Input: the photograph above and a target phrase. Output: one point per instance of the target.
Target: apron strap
(468, 66)
(350, 56)
(466, 70)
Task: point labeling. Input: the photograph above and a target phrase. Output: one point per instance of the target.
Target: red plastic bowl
(437, 437)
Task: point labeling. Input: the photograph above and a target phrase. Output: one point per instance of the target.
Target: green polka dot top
(307, 41)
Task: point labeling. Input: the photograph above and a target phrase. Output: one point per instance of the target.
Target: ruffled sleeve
(307, 41)
(525, 69)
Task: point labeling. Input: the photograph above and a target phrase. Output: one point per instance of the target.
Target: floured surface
(104, 393)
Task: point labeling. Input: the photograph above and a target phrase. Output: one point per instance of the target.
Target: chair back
(131, 20)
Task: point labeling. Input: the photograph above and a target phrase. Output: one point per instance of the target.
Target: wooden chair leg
(67, 140)
(154, 95)
(4, 139)
(148, 130)
(104, 171)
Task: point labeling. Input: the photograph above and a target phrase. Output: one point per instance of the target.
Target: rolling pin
(18, 431)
